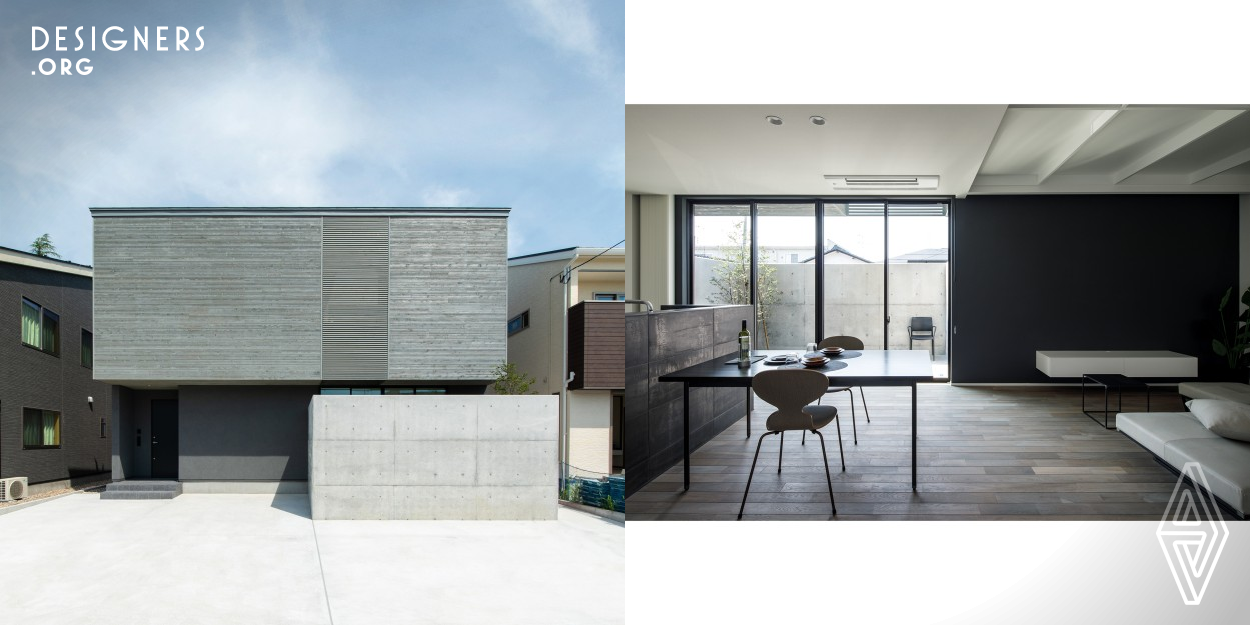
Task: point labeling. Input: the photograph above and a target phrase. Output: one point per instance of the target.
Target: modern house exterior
(54, 417)
(580, 289)
(218, 326)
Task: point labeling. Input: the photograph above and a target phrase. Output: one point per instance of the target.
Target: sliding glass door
(854, 272)
(785, 275)
(918, 244)
(721, 254)
(875, 269)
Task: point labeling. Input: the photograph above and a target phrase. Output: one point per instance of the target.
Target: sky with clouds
(364, 103)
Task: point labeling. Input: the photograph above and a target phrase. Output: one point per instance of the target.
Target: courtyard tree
(731, 280)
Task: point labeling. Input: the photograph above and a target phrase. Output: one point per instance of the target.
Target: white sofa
(1232, 391)
(1179, 437)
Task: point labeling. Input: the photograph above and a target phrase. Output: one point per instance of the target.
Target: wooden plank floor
(1024, 453)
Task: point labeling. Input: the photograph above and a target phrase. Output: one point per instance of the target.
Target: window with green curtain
(31, 334)
(40, 428)
(51, 428)
(32, 428)
(87, 356)
(51, 332)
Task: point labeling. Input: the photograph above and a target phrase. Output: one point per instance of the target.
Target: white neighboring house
(788, 254)
(542, 288)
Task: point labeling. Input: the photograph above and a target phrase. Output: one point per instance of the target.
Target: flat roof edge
(301, 211)
(18, 257)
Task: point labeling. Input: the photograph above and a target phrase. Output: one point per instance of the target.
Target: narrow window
(31, 333)
(86, 349)
(518, 323)
(51, 332)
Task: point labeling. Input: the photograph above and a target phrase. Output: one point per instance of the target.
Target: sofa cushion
(1154, 430)
(1229, 419)
(1224, 462)
(1231, 391)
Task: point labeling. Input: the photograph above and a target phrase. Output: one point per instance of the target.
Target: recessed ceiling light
(817, 120)
(774, 120)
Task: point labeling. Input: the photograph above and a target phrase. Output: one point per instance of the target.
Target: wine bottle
(744, 346)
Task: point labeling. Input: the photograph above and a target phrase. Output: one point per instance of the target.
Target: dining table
(866, 367)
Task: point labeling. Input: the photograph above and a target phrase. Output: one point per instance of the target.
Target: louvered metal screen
(355, 261)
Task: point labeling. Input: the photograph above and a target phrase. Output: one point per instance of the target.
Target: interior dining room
(981, 312)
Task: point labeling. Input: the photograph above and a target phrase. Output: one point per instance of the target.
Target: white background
(929, 52)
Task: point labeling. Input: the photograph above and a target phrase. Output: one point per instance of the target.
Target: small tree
(509, 381)
(43, 247)
(731, 279)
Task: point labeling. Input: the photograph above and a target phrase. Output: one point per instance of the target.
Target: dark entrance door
(165, 438)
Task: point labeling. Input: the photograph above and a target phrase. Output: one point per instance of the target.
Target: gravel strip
(93, 487)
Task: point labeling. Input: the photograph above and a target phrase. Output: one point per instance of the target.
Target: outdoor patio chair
(846, 342)
(790, 391)
(922, 329)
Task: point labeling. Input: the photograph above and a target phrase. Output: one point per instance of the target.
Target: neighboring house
(788, 254)
(837, 255)
(539, 292)
(927, 255)
(53, 416)
(218, 327)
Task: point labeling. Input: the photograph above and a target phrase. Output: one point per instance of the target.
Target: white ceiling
(733, 150)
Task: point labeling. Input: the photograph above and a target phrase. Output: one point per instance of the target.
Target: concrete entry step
(142, 489)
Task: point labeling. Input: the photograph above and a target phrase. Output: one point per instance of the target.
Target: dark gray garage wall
(1087, 272)
(255, 433)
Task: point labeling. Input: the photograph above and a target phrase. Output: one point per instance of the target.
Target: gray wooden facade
(240, 296)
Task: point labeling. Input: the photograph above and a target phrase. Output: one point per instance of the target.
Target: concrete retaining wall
(854, 302)
(449, 457)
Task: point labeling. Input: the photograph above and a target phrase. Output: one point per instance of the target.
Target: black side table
(1110, 381)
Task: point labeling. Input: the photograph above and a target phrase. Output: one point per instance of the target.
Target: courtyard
(261, 559)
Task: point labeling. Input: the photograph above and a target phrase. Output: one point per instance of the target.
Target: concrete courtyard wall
(853, 302)
(435, 457)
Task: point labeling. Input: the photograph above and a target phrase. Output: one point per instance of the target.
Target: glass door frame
(684, 249)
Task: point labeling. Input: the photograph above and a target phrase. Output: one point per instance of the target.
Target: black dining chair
(790, 391)
(922, 329)
(846, 342)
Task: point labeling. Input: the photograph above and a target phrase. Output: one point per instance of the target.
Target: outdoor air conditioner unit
(13, 488)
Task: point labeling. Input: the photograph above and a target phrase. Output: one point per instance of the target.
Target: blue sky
(367, 103)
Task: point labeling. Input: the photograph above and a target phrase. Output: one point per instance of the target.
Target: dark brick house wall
(30, 378)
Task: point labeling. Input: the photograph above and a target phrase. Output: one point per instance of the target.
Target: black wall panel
(1087, 272)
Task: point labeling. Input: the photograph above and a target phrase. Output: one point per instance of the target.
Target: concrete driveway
(260, 559)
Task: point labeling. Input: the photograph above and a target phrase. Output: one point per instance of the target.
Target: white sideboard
(1134, 364)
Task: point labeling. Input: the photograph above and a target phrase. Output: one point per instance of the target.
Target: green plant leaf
(1224, 300)
(1245, 297)
(1219, 348)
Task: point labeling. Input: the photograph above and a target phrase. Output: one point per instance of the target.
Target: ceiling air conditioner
(849, 183)
(12, 488)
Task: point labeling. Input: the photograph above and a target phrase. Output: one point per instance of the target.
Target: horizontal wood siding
(355, 265)
(449, 303)
(208, 298)
(597, 345)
